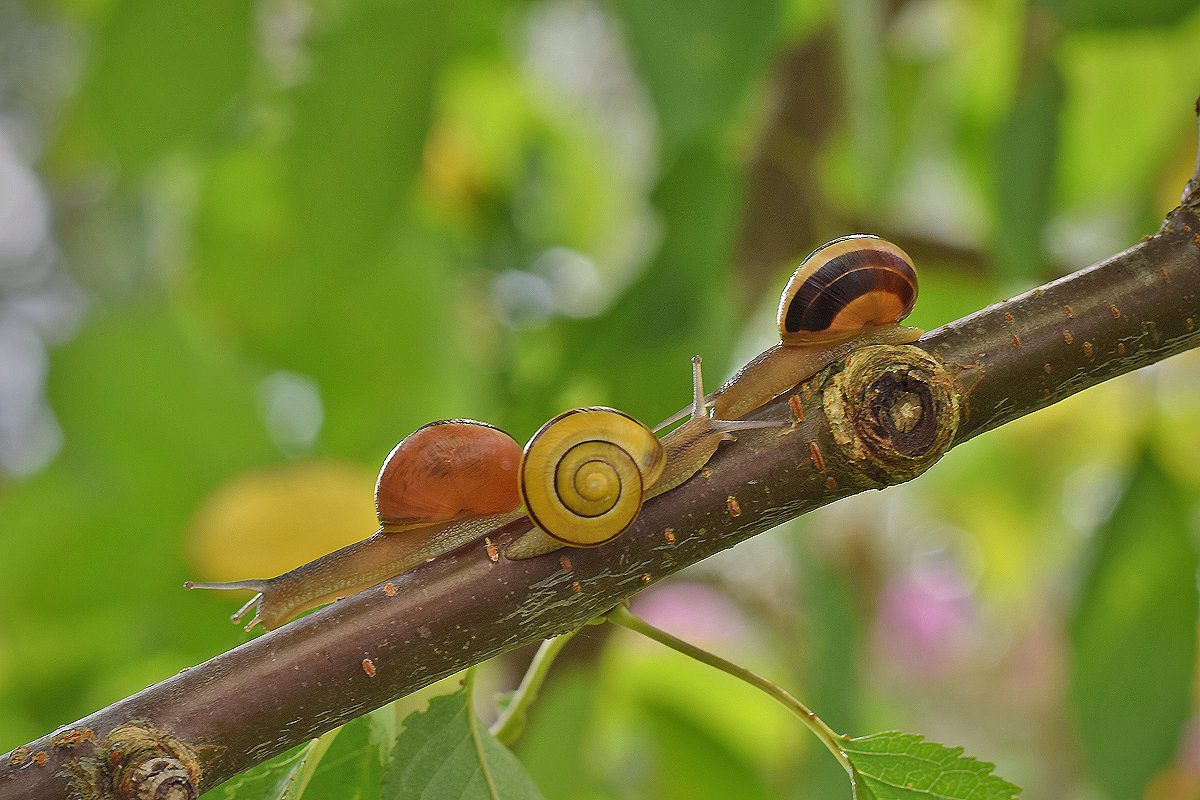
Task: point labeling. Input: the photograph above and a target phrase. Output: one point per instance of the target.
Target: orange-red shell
(448, 470)
(844, 286)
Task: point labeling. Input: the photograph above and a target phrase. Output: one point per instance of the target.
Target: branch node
(137, 762)
(893, 412)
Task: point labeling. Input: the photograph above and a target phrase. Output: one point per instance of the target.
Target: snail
(685, 450)
(846, 294)
(447, 483)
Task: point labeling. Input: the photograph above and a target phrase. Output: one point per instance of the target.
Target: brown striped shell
(844, 286)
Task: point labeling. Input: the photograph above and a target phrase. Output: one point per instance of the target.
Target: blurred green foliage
(294, 231)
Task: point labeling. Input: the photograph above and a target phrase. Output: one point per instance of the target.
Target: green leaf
(697, 59)
(1120, 15)
(162, 74)
(445, 752)
(1133, 637)
(903, 766)
(1027, 156)
(352, 767)
(343, 764)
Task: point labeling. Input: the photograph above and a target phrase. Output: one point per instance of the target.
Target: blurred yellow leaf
(263, 523)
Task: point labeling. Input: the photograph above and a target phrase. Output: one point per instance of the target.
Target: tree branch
(880, 417)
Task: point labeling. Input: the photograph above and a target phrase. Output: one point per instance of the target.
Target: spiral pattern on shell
(844, 286)
(584, 473)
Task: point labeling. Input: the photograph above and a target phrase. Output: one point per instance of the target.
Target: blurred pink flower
(926, 619)
(692, 611)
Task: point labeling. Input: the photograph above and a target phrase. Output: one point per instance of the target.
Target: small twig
(511, 722)
(830, 738)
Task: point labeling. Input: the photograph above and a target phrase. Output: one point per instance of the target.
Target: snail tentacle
(258, 586)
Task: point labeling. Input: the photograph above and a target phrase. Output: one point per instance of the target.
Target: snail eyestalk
(257, 585)
(692, 444)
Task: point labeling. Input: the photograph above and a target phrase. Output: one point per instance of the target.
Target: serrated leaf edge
(986, 769)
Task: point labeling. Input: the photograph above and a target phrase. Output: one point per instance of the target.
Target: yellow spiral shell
(584, 473)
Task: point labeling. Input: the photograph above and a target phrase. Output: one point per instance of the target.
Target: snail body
(846, 294)
(354, 568)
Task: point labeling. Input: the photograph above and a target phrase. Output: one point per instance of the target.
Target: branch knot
(893, 411)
